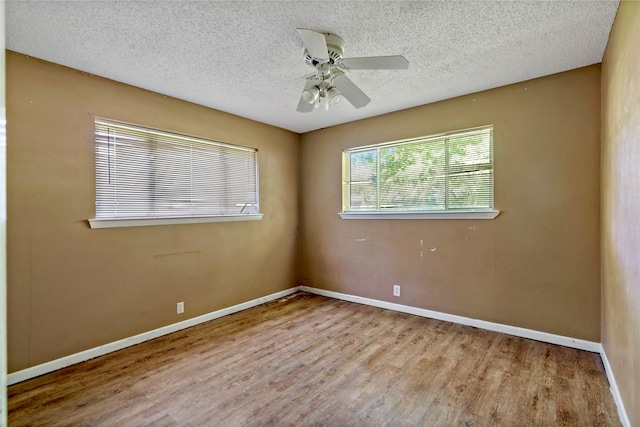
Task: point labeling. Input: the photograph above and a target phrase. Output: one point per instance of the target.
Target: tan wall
(70, 287)
(621, 205)
(537, 265)
(73, 288)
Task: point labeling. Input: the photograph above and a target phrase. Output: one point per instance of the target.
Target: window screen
(446, 172)
(146, 173)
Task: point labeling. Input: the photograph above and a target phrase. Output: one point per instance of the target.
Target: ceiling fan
(329, 83)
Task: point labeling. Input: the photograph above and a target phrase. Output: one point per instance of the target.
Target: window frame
(458, 213)
(149, 218)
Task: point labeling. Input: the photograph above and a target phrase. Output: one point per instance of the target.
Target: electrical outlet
(180, 308)
(396, 290)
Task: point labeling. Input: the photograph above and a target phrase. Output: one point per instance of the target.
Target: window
(147, 174)
(449, 173)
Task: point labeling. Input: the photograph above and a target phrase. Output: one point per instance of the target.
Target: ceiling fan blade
(315, 43)
(304, 106)
(395, 62)
(349, 90)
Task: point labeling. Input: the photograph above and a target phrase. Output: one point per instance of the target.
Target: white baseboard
(91, 353)
(615, 392)
(482, 324)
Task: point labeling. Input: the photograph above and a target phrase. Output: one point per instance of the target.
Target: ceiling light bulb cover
(322, 104)
(311, 95)
(334, 96)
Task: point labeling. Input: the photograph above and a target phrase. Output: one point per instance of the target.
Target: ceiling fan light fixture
(324, 52)
(311, 95)
(334, 96)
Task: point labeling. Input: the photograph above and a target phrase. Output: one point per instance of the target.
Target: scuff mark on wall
(158, 256)
(362, 240)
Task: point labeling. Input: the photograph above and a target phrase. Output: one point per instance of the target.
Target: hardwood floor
(307, 360)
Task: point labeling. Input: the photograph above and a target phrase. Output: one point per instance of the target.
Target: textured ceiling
(245, 57)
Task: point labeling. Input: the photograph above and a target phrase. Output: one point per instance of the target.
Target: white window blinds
(446, 172)
(146, 173)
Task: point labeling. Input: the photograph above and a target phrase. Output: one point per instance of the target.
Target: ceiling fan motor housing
(335, 49)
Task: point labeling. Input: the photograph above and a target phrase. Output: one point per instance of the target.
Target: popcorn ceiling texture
(246, 58)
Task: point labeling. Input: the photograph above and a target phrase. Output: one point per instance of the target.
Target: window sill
(142, 222)
(421, 215)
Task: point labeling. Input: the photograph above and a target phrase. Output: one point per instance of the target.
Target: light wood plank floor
(307, 360)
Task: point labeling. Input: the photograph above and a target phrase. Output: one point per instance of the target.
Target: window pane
(471, 190)
(171, 179)
(413, 176)
(470, 171)
(362, 185)
(130, 179)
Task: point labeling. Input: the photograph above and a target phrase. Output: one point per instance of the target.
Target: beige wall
(621, 205)
(536, 266)
(72, 288)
